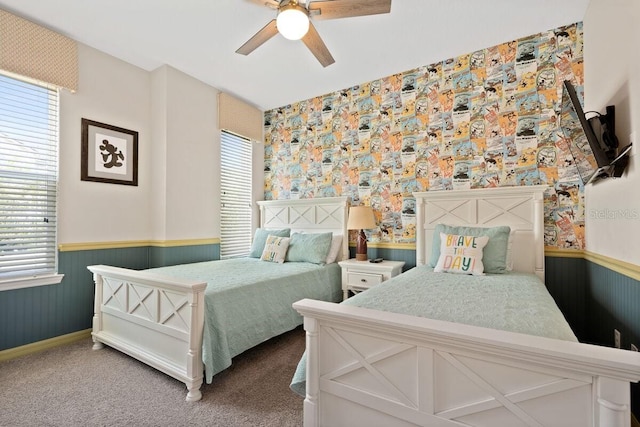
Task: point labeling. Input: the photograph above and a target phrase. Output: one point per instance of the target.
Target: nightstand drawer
(364, 280)
(358, 276)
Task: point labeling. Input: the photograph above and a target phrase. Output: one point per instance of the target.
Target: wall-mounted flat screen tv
(592, 142)
(592, 159)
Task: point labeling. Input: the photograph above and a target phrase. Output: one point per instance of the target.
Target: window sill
(30, 282)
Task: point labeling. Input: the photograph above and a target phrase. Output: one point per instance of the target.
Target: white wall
(192, 158)
(113, 92)
(612, 77)
(257, 180)
(177, 197)
(159, 153)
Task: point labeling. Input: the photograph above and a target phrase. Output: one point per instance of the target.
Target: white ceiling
(199, 37)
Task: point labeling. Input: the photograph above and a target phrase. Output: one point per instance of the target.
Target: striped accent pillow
(275, 249)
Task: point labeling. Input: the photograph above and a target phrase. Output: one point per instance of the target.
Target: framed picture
(109, 154)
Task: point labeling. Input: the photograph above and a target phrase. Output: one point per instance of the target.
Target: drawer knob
(363, 280)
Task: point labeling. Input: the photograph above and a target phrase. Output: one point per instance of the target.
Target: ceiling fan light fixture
(293, 21)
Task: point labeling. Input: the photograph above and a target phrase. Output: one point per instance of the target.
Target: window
(28, 183)
(235, 183)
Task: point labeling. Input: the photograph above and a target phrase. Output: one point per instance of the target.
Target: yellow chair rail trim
(69, 247)
(190, 242)
(404, 246)
(562, 253)
(622, 267)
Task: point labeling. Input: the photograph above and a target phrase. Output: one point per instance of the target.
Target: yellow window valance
(239, 117)
(36, 52)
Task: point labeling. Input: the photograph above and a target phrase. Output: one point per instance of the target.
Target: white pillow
(510, 250)
(461, 254)
(334, 249)
(275, 249)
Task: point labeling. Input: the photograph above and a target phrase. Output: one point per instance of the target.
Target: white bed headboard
(319, 215)
(521, 208)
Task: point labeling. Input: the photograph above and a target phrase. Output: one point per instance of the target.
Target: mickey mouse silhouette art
(110, 153)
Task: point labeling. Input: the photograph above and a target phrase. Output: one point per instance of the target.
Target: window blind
(28, 179)
(235, 182)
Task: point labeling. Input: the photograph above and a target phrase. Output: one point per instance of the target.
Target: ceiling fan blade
(259, 38)
(317, 47)
(273, 4)
(333, 9)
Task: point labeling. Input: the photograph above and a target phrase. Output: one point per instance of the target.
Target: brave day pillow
(495, 253)
(275, 249)
(461, 254)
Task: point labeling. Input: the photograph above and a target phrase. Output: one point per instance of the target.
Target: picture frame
(109, 154)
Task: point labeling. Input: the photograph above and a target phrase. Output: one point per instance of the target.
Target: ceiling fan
(293, 22)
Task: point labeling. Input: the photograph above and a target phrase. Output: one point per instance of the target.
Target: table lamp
(360, 218)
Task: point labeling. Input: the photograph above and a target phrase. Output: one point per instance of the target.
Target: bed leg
(194, 394)
(613, 402)
(97, 314)
(311, 416)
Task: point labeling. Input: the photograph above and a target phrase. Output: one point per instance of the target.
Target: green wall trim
(395, 254)
(162, 256)
(593, 298)
(613, 301)
(35, 314)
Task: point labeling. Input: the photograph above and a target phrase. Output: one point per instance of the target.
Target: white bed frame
(372, 368)
(159, 320)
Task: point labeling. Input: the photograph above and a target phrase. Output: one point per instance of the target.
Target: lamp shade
(361, 217)
(292, 21)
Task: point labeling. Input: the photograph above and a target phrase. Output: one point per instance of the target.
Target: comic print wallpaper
(485, 119)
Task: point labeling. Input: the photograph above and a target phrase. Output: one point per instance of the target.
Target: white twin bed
(491, 350)
(369, 362)
(188, 319)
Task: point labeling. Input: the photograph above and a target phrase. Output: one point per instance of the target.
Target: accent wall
(484, 119)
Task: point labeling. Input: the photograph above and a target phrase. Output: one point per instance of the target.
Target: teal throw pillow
(260, 238)
(309, 247)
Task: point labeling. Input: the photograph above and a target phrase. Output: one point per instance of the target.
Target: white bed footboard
(373, 368)
(155, 319)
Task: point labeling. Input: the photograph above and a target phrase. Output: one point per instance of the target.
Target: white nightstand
(358, 276)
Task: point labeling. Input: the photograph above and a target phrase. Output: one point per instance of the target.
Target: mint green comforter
(248, 301)
(515, 302)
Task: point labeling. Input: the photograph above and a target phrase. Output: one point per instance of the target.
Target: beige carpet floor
(73, 385)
